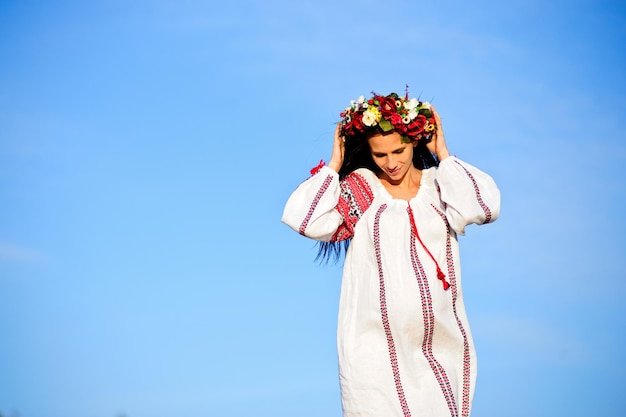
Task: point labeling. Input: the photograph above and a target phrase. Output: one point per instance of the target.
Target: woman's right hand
(336, 159)
(437, 144)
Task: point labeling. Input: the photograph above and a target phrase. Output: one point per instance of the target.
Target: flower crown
(411, 118)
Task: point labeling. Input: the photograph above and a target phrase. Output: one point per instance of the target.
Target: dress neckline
(424, 182)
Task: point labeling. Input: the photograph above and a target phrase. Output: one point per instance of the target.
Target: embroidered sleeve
(470, 195)
(356, 196)
(324, 209)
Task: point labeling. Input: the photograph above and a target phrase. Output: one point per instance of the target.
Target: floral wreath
(411, 118)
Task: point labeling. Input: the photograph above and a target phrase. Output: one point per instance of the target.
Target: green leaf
(385, 125)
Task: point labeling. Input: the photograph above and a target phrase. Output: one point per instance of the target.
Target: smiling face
(394, 158)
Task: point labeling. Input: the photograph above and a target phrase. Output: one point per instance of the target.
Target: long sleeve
(310, 210)
(326, 209)
(470, 195)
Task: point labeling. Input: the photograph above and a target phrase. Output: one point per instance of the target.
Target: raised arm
(437, 144)
(471, 196)
(312, 208)
(336, 158)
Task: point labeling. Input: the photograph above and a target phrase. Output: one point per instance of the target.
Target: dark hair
(357, 155)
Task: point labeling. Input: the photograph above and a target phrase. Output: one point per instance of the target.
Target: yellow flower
(371, 116)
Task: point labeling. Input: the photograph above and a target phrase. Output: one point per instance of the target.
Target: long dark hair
(357, 155)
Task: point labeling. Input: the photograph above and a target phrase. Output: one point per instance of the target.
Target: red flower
(387, 106)
(396, 120)
(346, 130)
(416, 126)
(402, 129)
(357, 121)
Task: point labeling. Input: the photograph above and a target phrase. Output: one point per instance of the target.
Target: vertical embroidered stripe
(482, 204)
(429, 327)
(385, 319)
(362, 192)
(355, 198)
(465, 402)
(316, 200)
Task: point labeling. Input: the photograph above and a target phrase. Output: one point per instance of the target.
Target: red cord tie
(319, 166)
(440, 274)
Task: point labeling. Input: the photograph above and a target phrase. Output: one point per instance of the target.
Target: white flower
(406, 120)
(412, 114)
(369, 118)
(361, 99)
(411, 104)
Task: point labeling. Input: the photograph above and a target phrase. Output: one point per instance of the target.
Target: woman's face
(393, 157)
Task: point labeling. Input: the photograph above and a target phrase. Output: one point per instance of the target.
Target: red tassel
(442, 278)
(319, 166)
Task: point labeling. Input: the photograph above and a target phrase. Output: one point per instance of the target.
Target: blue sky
(147, 149)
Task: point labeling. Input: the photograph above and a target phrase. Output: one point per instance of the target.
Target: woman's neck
(407, 187)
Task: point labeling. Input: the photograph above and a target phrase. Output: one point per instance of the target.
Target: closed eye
(382, 155)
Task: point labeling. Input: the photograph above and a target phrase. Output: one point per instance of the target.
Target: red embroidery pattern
(429, 327)
(385, 319)
(478, 196)
(355, 198)
(316, 200)
(465, 403)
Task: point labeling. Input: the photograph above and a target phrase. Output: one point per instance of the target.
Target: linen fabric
(404, 343)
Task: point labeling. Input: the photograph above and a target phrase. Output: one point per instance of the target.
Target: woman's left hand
(339, 147)
(437, 144)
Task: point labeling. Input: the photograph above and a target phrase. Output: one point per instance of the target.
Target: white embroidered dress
(404, 343)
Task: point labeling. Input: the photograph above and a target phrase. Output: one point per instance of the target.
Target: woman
(392, 190)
